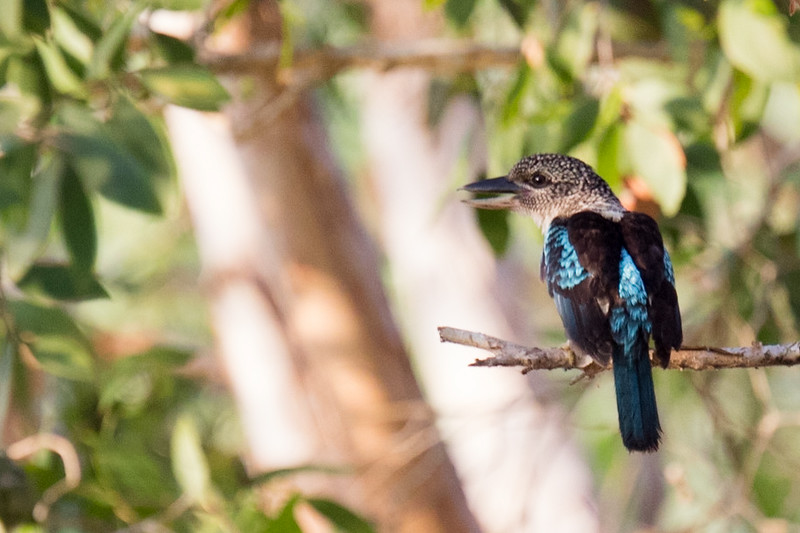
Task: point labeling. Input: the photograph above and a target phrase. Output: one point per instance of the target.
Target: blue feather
(633, 379)
(569, 272)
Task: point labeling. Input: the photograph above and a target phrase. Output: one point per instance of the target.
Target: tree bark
(335, 318)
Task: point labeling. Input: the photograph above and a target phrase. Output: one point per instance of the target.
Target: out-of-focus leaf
(172, 49)
(25, 247)
(657, 157)
(130, 128)
(285, 522)
(575, 44)
(266, 477)
(16, 166)
(11, 21)
(70, 36)
(748, 100)
(518, 10)
(494, 226)
(131, 381)
(178, 5)
(104, 166)
(112, 43)
(7, 355)
(343, 518)
(60, 75)
(62, 282)
(513, 102)
(77, 221)
(458, 11)
(186, 85)
(754, 38)
(579, 124)
(27, 74)
(35, 16)
(608, 156)
(55, 340)
(188, 461)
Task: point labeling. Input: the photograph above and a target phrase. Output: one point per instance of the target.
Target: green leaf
(16, 167)
(77, 221)
(62, 282)
(459, 11)
(575, 45)
(579, 124)
(186, 85)
(754, 37)
(343, 518)
(7, 356)
(70, 35)
(11, 21)
(285, 522)
(35, 16)
(189, 462)
(608, 156)
(518, 10)
(266, 477)
(110, 169)
(111, 45)
(657, 157)
(28, 245)
(60, 75)
(513, 102)
(747, 103)
(132, 129)
(494, 226)
(55, 340)
(173, 50)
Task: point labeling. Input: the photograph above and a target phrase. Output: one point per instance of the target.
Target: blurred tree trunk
(519, 467)
(347, 355)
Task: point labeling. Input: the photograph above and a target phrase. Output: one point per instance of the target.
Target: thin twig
(505, 353)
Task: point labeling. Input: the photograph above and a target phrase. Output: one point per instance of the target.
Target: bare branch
(506, 353)
(322, 63)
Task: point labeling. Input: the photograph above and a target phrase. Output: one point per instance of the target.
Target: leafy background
(690, 110)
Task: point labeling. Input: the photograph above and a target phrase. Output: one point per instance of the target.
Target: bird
(608, 273)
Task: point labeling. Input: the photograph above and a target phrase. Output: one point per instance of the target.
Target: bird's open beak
(501, 186)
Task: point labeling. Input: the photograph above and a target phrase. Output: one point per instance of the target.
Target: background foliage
(689, 109)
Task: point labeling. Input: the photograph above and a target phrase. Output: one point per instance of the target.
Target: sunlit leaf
(186, 85)
(188, 460)
(77, 221)
(754, 38)
(608, 156)
(60, 75)
(62, 282)
(285, 521)
(343, 518)
(657, 157)
(747, 103)
(111, 44)
(70, 36)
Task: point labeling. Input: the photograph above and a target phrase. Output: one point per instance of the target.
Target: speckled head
(548, 186)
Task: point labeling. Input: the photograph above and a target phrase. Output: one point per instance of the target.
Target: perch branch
(506, 353)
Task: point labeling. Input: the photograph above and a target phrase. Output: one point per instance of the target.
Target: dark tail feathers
(636, 398)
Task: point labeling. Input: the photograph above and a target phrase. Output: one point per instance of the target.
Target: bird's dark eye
(539, 180)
